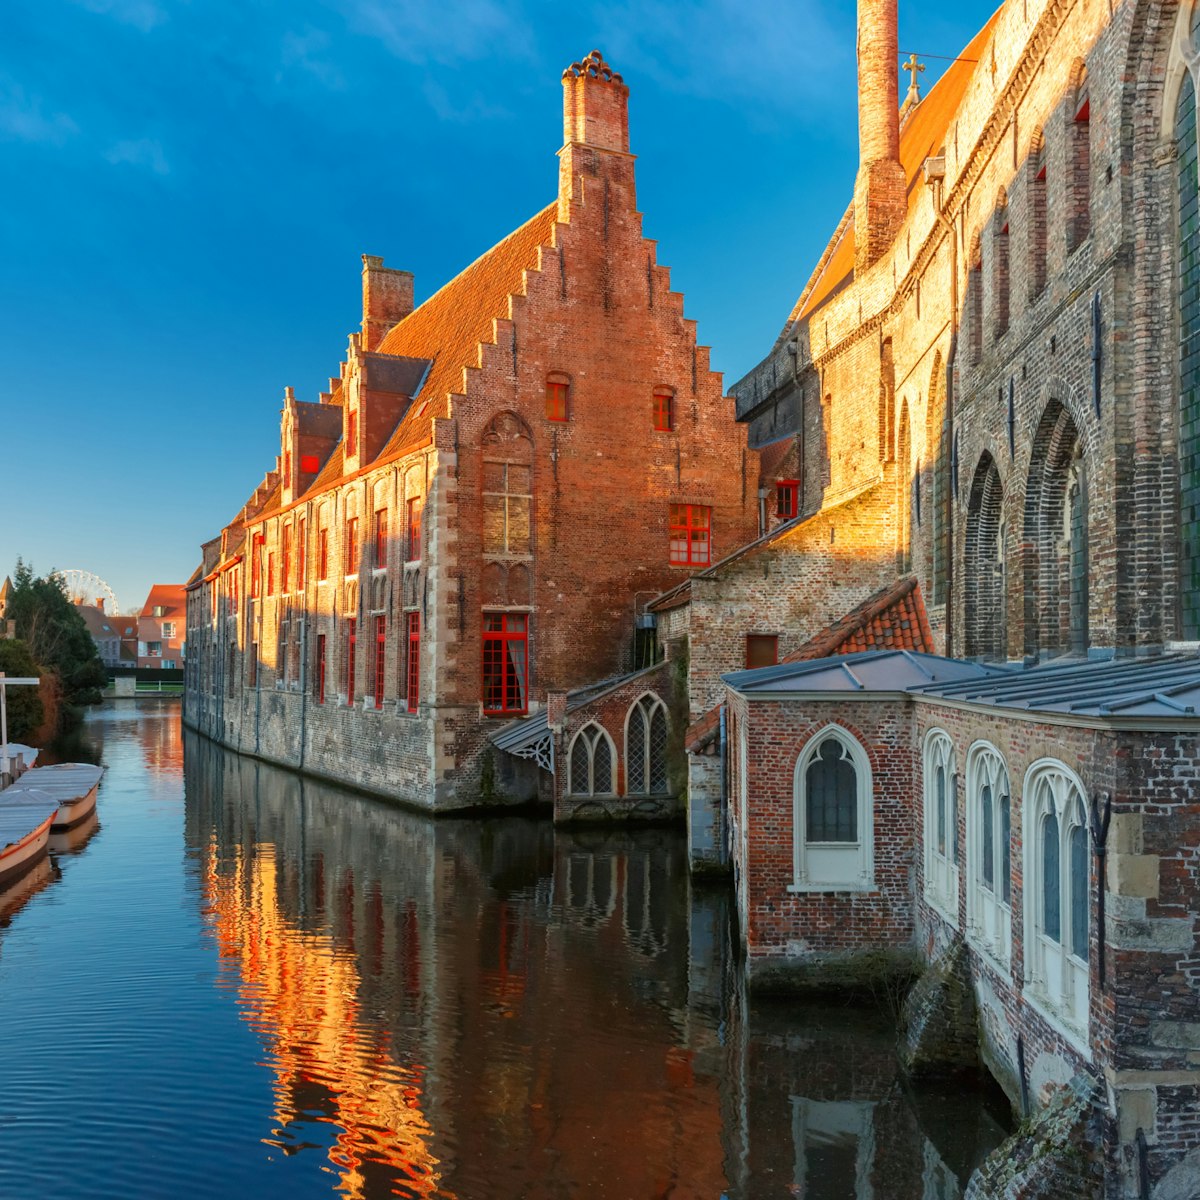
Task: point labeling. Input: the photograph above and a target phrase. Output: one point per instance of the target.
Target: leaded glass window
(591, 762)
(832, 812)
(646, 747)
(1052, 891)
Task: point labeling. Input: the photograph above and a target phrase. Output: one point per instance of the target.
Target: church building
(474, 512)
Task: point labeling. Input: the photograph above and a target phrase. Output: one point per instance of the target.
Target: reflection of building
(474, 512)
(508, 1009)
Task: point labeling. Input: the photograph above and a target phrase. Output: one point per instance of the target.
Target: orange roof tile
(451, 324)
(703, 732)
(891, 619)
(170, 596)
(922, 135)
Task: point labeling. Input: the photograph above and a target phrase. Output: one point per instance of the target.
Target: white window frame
(589, 749)
(646, 715)
(989, 916)
(837, 866)
(941, 869)
(1057, 981)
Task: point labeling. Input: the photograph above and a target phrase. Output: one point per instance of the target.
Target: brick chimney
(387, 298)
(880, 202)
(595, 130)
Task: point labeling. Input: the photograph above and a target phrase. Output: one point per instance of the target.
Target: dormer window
(664, 409)
(558, 396)
(787, 498)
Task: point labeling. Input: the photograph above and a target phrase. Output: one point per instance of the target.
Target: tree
(56, 634)
(25, 711)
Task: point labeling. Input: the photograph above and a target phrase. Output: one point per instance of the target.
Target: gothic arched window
(591, 762)
(1057, 889)
(833, 821)
(646, 747)
(984, 584)
(941, 825)
(1189, 358)
(989, 852)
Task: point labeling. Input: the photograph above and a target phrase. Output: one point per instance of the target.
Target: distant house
(105, 632)
(161, 628)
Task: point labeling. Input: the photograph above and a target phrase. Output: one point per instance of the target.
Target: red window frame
(271, 574)
(380, 653)
(415, 507)
(285, 566)
(664, 410)
(762, 641)
(310, 464)
(558, 396)
(351, 555)
(301, 547)
(381, 534)
(351, 434)
(287, 468)
(320, 680)
(322, 553)
(691, 535)
(787, 498)
(351, 649)
(505, 663)
(413, 664)
(256, 550)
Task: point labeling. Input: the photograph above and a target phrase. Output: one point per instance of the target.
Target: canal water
(242, 984)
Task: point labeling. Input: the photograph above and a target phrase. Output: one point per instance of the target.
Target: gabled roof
(870, 671)
(449, 327)
(99, 624)
(922, 134)
(171, 597)
(894, 618)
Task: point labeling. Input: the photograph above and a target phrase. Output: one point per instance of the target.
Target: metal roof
(1165, 686)
(865, 671)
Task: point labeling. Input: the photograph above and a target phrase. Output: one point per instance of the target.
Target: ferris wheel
(85, 588)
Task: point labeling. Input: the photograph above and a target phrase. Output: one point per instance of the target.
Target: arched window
(590, 762)
(1079, 150)
(1189, 358)
(989, 853)
(904, 497)
(975, 302)
(941, 825)
(1056, 533)
(646, 748)
(1057, 890)
(984, 582)
(887, 401)
(1036, 216)
(937, 453)
(1000, 268)
(833, 818)
(507, 486)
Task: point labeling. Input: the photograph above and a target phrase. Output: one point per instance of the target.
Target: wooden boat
(25, 821)
(73, 785)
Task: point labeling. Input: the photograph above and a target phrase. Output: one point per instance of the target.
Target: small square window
(762, 650)
(310, 464)
(557, 398)
(787, 498)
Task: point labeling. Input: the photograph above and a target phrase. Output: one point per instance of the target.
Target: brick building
(988, 386)
(472, 515)
(162, 628)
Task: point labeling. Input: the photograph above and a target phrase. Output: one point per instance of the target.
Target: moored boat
(73, 785)
(25, 821)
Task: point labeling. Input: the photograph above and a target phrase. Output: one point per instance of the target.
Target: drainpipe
(935, 175)
(762, 510)
(303, 682)
(723, 825)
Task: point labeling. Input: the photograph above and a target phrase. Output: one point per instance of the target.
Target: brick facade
(559, 529)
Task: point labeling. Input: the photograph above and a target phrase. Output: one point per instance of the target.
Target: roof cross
(915, 68)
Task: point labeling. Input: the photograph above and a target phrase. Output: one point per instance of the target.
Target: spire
(914, 69)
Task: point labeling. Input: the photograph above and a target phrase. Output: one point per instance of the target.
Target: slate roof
(870, 671)
(98, 623)
(894, 618)
(1165, 687)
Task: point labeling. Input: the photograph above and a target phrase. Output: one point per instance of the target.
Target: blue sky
(188, 187)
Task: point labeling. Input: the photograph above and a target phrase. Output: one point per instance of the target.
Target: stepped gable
(892, 619)
(922, 134)
(449, 327)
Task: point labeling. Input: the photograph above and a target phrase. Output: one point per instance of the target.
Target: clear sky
(187, 188)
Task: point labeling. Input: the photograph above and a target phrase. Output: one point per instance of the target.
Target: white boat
(73, 785)
(25, 821)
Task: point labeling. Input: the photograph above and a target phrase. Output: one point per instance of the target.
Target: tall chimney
(880, 201)
(387, 298)
(595, 119)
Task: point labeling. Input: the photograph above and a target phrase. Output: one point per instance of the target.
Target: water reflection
(495, 1009)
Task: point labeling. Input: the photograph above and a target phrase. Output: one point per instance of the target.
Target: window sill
(862, 887)
(939, 906)
(989, 953)
(1033, 995)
